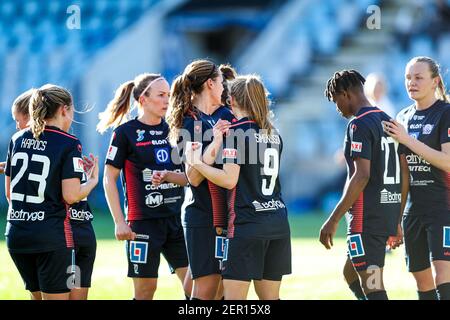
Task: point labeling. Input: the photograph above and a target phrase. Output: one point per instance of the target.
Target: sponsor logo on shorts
(138, 252)
(446, 237)
(268, 206)
(221, 247)
(154, 199)
(355, 246)
(78, 165)
(140, 135)
(356, 146)
(80, 215)
(229, 154)
(112, 151)
(25, 216)
(390, 197)
(427, 129)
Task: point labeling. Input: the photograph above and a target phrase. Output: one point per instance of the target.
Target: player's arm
(110, 177)
(439, 159)
(7, 188)
(178, 178)
(74, 191)
(226, 178)
(2, 167)
(355, 186)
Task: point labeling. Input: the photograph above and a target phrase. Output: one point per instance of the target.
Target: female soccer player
(195, 102)
(44, 166)
(138, 148)
(373, 192)
(258, 241)
(426, 141)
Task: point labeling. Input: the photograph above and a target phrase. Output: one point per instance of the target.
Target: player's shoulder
(123, 127)
(406, 112)
(19, 134)
(62, 137)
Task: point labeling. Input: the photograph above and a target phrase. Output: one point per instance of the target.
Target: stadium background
(91, 47)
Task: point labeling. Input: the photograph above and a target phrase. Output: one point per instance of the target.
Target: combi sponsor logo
(268, 206)
(390, 197)
(25, 216)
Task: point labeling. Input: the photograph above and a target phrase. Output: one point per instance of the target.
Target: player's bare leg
(372, 283)
(267, 289)
(442, 278)
(185, 277)
(219, 293)
(235, 289)
(79, 294)
(424, 280)
(350, 274)
(205, 288)
(144, 288)
(37, 295)
(55, 296)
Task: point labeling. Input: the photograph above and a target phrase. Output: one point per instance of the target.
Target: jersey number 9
(271, 167)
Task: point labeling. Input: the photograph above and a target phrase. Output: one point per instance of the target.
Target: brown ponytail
(44, 104)
(20, 105)
(252, 97)
(119, 107)
(182, 91)
(229, 74)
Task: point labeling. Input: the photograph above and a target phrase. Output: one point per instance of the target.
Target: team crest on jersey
(221, 247)
(229, 153)
(446, 237)
(78, 165)
(427, 129)
(415, 135)
(112, 151)
(355, 246)
(140, 135)
(356, 146)
(138, 251)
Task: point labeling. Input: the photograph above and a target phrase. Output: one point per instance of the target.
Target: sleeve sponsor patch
(448, 132)
(229, 153)
(78, 165)
(356, 146)
(112, 151)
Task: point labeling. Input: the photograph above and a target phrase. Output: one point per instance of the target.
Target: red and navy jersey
(377, 209)
(429, 185)
(205, 205)
(256, 208)
(38, 219)
(138, 150)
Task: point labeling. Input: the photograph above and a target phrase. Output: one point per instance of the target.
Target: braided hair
(343, 81)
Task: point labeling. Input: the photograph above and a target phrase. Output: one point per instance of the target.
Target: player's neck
(149, 119)
(361, 103)
(204, 104)
(240, 114)
(426, 102)
(54, 123)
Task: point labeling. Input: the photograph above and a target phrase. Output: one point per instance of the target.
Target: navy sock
(427, 295)
(355, 287)
(443, 291)
(192, 298)
(377, 295)
(187, 297)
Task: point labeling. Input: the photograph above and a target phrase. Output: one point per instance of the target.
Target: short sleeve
(117, 150)
(444, 133)
(8, 159)
(73, 162)
(360, 139)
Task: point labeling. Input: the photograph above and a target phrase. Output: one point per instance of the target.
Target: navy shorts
(249, 259)
(205, 247)
(153, 237)
(84, 259)
(366, 250)
(425, 240)
(48, 272)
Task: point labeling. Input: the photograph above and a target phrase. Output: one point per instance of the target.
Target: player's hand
(396, 241)
(124, 232)
(194, 153)
(220, 128)
(88, 163)
(327, 233)
(2, 167)
(395, 130)
(93, 173)
(159, 177)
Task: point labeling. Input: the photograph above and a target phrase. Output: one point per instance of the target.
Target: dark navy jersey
(138, 150)
(377, 209)
(205, 205)
(256, 208)
(429, 186)
(38, 219)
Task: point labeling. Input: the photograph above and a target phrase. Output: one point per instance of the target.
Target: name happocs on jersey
(80, 215)
(266, 138)
(387, 197)
(34, 144)
(25, 216)
(271, 205)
